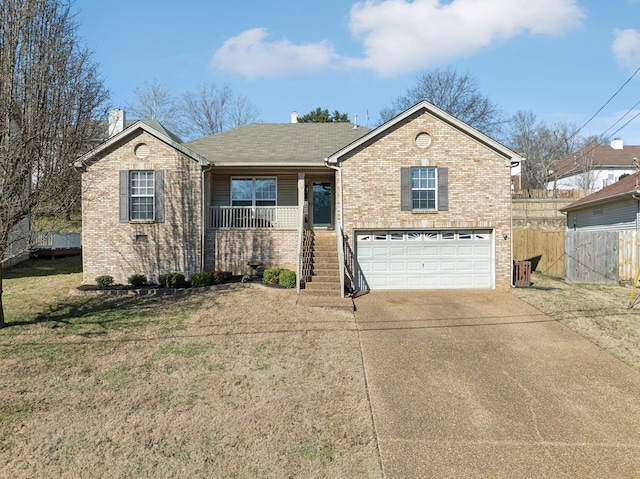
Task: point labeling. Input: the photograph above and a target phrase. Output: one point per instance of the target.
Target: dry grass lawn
(235, 383)
(597, 312)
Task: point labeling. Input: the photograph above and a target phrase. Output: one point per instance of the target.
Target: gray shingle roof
(304, 144)
(156, 125)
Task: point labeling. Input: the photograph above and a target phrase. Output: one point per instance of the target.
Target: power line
(605, 104)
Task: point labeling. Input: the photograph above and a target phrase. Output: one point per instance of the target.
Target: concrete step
(328, 287)
(333, 273)
(324, 279)
(323, 259)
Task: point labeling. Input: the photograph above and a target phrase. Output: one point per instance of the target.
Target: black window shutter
(405, 187)
(443, 189)
(159, 196)
(124, 196)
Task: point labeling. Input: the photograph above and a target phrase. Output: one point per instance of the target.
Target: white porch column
(300, 228)
(301, 200)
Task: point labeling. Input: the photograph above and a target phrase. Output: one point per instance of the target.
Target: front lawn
(231, 383)
(600, 313)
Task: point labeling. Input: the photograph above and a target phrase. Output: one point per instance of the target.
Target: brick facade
(231, 250)
(151, 248)
(478, 185)
(367, 196)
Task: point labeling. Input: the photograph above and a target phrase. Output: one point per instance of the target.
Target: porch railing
(257, 217)
(56, 240)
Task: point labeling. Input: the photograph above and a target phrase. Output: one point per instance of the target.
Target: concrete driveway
(467, 384)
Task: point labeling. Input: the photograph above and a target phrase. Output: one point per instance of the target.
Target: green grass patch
(314, 449)
(189, 350)
(44, 267)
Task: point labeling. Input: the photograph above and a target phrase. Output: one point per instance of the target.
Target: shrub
(287, 278)
(104, 281)
(172, 280)
(217, 277)
(137, 280)
(271, 276)
(201, 278)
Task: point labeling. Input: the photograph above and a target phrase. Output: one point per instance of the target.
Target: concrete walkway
(478, 384)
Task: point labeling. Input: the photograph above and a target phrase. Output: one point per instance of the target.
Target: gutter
(602, 200)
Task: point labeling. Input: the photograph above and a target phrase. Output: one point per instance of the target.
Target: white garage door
(424, 259)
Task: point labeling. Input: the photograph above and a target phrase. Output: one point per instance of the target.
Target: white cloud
(250, 55)
(626, 48)
(400, 36)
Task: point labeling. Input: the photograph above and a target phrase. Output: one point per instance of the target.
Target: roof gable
(499, 148)
(87, 158)
(627, 186)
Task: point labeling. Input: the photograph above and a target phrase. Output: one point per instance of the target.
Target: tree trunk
(1, 305)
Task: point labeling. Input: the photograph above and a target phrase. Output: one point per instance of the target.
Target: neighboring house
(594, 166)
(421, 202)
(602, 234)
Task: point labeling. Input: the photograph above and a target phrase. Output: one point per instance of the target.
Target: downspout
(203, 221)
(339, 233)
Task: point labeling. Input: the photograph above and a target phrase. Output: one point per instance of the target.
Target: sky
(560, 59)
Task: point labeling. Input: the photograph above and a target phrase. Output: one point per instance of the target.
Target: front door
(322, 205)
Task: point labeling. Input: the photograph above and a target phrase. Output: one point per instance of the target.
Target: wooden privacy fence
(601, 257)
(548, 209)
(545, 249)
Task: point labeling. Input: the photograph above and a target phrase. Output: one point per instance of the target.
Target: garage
(452, 259)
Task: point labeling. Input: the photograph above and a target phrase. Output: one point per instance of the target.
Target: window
(253, 192)
(142, 192)
(424, 189)
(141, 196)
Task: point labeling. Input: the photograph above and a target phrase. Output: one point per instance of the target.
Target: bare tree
(212, 109)
(155, 101)
(242, 112)
(50, 95)
(457, 94)
(541, 144)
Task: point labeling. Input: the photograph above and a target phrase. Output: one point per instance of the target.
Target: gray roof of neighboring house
(277, 144)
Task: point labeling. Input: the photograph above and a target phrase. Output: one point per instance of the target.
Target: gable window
(142, 195)
(253, 192)
(424, 189)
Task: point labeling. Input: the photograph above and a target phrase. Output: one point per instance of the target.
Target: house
(594, 166)
(421, 202)
(602, 243)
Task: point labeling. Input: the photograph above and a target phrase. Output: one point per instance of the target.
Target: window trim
(152, 195)
(442, 190)
(254, 200)
(125, 197)
(434, 188)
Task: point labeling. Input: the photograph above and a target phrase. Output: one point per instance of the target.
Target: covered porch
(261, 216)
(281, 200)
